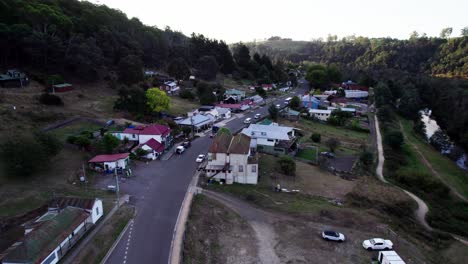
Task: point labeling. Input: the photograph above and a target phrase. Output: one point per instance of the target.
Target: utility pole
(117, 186)
(84, 177)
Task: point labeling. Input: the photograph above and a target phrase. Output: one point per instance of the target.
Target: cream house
(231, 160)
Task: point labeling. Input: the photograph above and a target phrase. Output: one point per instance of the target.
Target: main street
(158, 190)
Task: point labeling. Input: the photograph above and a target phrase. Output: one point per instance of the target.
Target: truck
(214, 130)
(389, 257)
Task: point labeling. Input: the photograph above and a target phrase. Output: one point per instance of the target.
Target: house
(209, 110)
(232, 107)
(310, 102)
(48, 237)
(256, 100)
(197, 122)
(320, 114)
(143, 133)
(170, 87)
(234, 94)
(290, 114)
(271, 138)
(152, 147)
(267, 87)
(348, 109)
(108, 163)
(231, 160)
(13, 78)
(356, 94)
(224, 113)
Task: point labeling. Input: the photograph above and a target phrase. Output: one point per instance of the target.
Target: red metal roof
(110, 157)
(155, 145)
(154, 129)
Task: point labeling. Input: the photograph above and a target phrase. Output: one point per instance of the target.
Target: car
(332, 235)
(200, 158)
(257, 116)
(327, 154)
(248, 120)
(278, 106)
(377, 244)
(180, 149)
(186, 144)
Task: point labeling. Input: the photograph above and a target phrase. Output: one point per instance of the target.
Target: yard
(75, 128)
(179, 106)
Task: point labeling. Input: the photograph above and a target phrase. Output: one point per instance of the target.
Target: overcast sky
(246, 20)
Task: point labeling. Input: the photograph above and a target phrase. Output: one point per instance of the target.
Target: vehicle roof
(378, 240)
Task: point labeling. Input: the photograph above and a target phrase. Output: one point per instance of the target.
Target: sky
(248, 20)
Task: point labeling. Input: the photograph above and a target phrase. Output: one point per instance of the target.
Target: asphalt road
(158, 190)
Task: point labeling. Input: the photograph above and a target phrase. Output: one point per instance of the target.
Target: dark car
(327, 154)
(186, 144)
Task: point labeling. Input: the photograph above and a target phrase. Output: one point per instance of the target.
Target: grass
(308, 154)
(75, 128)
(447, 169)
(179, 106)
(325, 130)
(97, 248)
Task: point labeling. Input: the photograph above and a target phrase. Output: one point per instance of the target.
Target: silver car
(333, 236)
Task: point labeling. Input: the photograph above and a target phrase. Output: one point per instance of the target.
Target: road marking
(128, 242)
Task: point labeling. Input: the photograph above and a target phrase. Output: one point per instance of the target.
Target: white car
(278, 106)
(248, 120)
(200, 158)
(332, 235)
(180, 149)
(377, 244)
(257, 116)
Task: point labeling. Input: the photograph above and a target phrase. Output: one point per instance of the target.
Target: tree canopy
(157, 100)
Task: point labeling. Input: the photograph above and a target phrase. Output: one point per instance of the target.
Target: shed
(60, 88)
(109, 163)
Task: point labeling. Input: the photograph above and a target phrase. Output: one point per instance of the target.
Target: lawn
(447, 169)
(308, 154)
(179, 106)
(75, 128)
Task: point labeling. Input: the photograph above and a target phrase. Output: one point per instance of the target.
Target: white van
(389, 257)
(248, 120)
(287, 100)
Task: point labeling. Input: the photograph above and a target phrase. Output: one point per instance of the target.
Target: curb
(116, 242)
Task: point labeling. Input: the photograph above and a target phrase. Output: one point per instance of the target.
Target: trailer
(389, 257)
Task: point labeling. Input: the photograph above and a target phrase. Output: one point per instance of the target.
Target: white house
(110, 162)
(271, 138)
(224, 113)
(49, 237)
(320, 114)
(230, 160)
(142, 134)
(356, 94)
(153, 149)
(170, 87)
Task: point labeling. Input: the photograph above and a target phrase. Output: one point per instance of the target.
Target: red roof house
(152, 147)
(110, 162)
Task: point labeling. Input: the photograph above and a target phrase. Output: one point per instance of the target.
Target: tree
(317, 78)
(242, 56)
(295, 103)
(341, 92)
(287, 165)
(130, 69)
(260, 91)
(157, 100)
(332, 144)
(273, 111)
(223, 130)
(366, 158)
(207, 67)
(131, 99)
(315, 137)
(464, 32)
(108, 143)
(394, 139)
(50, 143)
(179, 69)
(446, 32)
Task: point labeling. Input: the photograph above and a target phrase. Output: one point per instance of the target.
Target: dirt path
(260, 221)
(429, 165)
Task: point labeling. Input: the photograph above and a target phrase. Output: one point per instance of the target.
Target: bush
(394, 139)
(50, 144)
(108, 143)
(315, 137)
(186, 94)
(366, 158)
(82, 142)
(287, 165)
(50, 99)
(332, 143)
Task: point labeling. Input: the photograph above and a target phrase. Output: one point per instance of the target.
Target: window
(254, 168)
(50, 259)
(241, 168)
(97, 210)
(263, 133)
(270, 140)
(133, 136)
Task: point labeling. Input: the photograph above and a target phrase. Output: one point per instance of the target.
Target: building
(209, 110)
(108, 163)
(170, 87)
(284, 89)
(13, 78)
(197, 122)
(231, 160)
(142, 134)
(290, 114)
(60, 88)
(49, 236)
(152, 147)
(256, 100)
(348, 109)
(310, 102)
(271, 138)
(236, 108)
(320, 114)
(224, 113)
(356, 94)
(234, 94)
(267, 87)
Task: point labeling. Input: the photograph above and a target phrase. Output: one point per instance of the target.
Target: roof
(226, 143)
(265, 122)
(234, 92)
(230, 106)
(154, 129)
(289, 111)
(267, 85)
(307, 98)
(42, 240)
(62, 202)
(320, 111)
(348, 109)
(154, 144)
(223, 111)
(195, 120)
(110, 157)
(265, 131)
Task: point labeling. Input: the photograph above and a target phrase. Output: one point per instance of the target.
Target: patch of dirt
(216, 234)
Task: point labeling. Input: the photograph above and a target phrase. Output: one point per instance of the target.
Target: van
(248, 120)
(287, 100)
(389, 257)
(180, 149)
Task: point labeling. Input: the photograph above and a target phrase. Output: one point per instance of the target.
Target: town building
(196, 122)
(320, 114)
(143, 133)
(268, 87)
(170, 87)
(271, 139)
(231, 160)
(13, 78)
(356, 94)
(310, 102)
(256, 100)
(152, 147)
(108, 163)
(224, 113)
(233, 96)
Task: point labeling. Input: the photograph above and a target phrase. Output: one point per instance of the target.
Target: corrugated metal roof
(110, 157)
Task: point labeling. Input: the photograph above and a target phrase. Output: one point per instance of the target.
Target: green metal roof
(265, 122)
(235, 92)
(42, 240)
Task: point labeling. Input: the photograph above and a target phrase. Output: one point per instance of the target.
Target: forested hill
(447, 57)
(90, 42)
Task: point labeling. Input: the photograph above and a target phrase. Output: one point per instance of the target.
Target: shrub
(287, 165)
(332, 143)
(186, 94)
(315, 137)
(366, 158)
(394, 139)
(50, 99)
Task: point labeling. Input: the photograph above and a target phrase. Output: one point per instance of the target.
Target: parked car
(327, 154)
(248, 120)
(377, 244)
(257, 116)
(200, 158)
(186, 144)
(332, 235)
(180, 149)
(278, 106)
